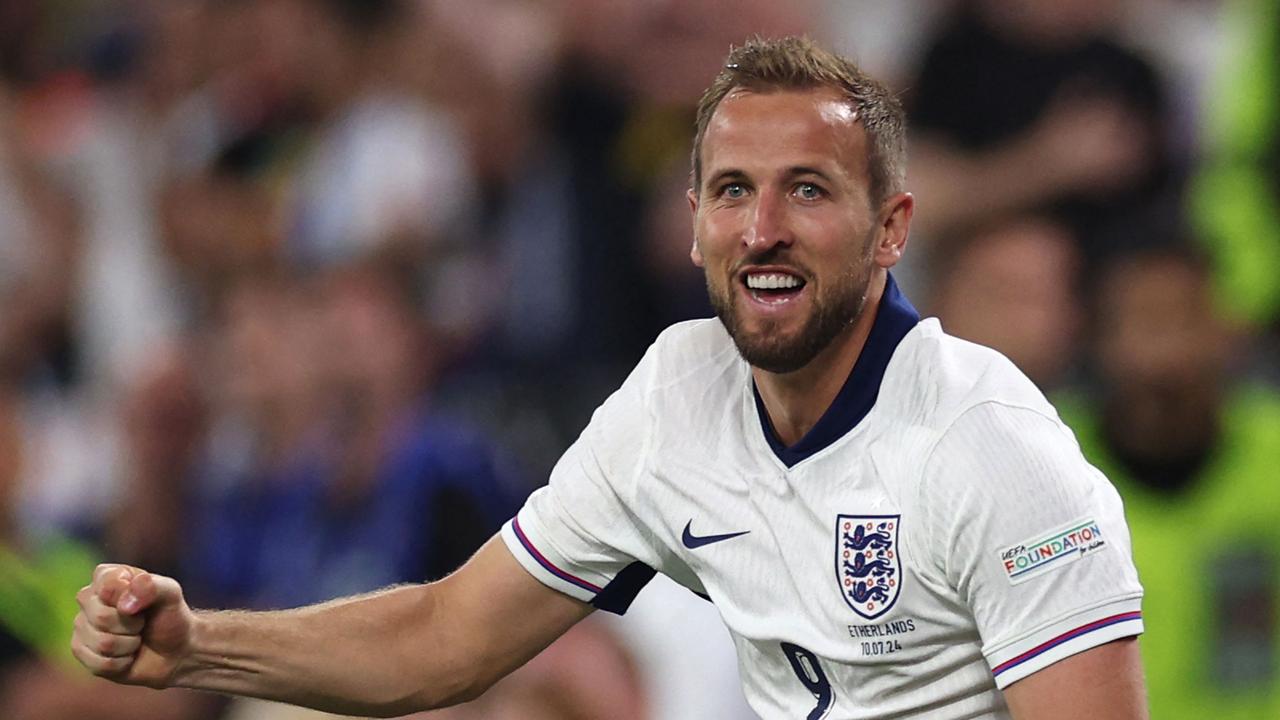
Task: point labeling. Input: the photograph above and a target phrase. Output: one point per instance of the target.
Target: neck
(797, 400)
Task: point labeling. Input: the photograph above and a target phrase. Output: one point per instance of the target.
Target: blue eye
(733, 191)
(809, 191)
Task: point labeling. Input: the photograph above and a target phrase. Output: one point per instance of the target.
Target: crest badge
(868, 565)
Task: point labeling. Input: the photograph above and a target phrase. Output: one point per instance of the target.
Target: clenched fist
(133, 627)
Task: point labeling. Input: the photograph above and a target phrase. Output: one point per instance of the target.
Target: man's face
(1159, 330)
(783, 224)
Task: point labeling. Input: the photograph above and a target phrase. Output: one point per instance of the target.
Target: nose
(768, 227)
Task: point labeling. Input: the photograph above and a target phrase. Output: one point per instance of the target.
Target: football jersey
(935, 537)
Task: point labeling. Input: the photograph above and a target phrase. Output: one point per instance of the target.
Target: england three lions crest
(868, 566)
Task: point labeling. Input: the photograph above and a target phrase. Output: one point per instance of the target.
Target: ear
(895, 224)
(694, 253)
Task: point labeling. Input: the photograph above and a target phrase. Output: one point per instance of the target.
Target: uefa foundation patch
(1050, 551)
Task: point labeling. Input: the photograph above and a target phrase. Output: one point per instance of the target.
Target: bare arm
(389, 653)
(1089, 145)
(1103, 683)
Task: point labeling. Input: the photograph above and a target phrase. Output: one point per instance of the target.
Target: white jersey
(935, 537)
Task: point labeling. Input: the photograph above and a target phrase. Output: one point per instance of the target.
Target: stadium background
(300, 298)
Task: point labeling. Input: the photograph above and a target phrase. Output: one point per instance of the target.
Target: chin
(775, 354)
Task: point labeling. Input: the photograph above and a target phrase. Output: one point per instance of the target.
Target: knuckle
(105, 645)
(82, 654)
(103, 617)
(116, 665)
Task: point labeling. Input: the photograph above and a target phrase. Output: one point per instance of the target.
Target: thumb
(146, 590)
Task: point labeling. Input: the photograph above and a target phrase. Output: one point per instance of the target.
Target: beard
(769, 347)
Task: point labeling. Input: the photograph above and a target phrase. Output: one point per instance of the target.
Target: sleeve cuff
(548, 571)
(1064, 638)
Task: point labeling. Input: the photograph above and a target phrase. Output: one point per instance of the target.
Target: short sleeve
(1032, 537)
(578, 534)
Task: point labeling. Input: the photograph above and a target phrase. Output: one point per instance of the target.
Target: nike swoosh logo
(693, 542)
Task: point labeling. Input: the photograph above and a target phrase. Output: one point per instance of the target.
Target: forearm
(382, 654)
(1009, 179)
(389, 653)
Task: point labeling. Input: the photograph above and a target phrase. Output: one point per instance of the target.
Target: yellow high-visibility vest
(1208, 557)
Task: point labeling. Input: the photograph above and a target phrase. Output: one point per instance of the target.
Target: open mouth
(773, 287)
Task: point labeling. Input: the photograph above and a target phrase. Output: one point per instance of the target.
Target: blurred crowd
(301, 298)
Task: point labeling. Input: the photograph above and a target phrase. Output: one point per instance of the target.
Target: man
(1191, 444)
(891, 522)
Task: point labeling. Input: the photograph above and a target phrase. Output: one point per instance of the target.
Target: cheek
(835, 230)
(717, 234)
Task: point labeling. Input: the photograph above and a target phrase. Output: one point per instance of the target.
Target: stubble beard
(769, 348)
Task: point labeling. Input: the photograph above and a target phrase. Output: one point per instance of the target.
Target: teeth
(772, 281)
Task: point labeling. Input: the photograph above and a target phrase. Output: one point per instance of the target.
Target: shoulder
(935, 379)
(692, 346)
(990, 438)
(689, 355)
(685, 378)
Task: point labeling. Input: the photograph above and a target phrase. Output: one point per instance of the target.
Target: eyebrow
(723, 175)
(735, 174)
(802, 170)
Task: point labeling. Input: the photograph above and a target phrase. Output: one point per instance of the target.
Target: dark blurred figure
(328, 471)
(1012, 286)
(163, 423)
(220, 222)
(1029, 106)
(1193, 452)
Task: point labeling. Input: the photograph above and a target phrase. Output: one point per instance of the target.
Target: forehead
(753, 131)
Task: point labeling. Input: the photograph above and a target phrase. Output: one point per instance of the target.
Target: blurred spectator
(1193, 454)
(1032, 107)
(64, 482)
(38, 678)
(328, 472)
(218, 224)
(385, 168)
(1012, 286)
(40, 230)
(163, 420)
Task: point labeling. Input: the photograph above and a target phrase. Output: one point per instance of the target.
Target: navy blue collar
(894, 319)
